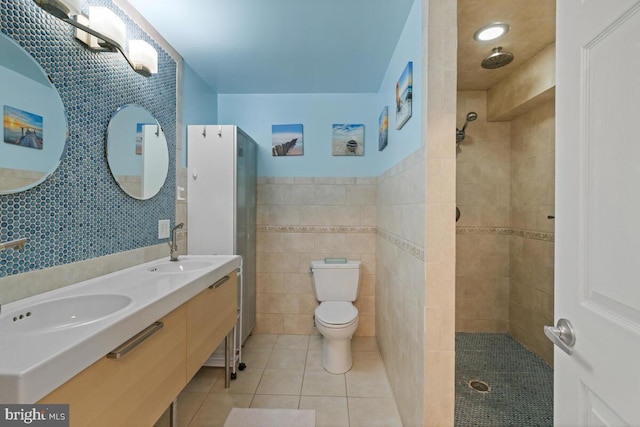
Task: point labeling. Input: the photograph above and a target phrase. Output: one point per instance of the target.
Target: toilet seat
(336, 314)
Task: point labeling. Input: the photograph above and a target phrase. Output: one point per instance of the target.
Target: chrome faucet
(173, 244)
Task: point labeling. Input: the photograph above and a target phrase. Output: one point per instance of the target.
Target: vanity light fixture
(491, 32)
(143, 56)
(103, 31)
(62, 9)
(107, 23)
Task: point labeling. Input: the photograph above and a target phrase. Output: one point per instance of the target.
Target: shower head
(497, 59)
(460, 133)
(470, 117)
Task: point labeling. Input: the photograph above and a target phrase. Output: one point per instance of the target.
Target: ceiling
(331, 46)
(282, 46)
(533, 27)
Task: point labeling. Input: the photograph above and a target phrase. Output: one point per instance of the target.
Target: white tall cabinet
(222, 170)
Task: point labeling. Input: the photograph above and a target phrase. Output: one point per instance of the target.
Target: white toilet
(336, 286)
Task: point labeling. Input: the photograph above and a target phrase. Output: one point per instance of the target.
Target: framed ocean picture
(383, 128)
(287, 140)
(347, 140)
(404, 95)
(23, 128)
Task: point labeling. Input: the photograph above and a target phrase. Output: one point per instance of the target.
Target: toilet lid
(336, 312)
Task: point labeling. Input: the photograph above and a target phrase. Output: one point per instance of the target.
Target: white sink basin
(172, 267)
(63, 313)
(65, 330)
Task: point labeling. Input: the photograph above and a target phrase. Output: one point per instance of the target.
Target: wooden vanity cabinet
(210, 316)
(136, 389)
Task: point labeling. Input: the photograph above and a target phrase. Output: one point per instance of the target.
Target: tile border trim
(507, 231)
(315, 229)
(407, 246)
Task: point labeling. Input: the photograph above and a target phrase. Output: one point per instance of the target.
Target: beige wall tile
(438, 401)
(345, 215)
(324, 180)
(272, 283)
(297, 283)
(283, 180)
(299, 242)
(366, 326)
(330, 194)
(331, 242)
(366, 305)
(279, 262)
(299, 324)
(283, 303)
(262, 302)
(477, 325)
(307, 303)
(285, 299)
(360, 194)
(269, 324)
(368, 216)
(534, 81)
(473, 287)
(367, 284)
(269, 242)
(269, 194)
(505, 179)
(360, 242)
(299, 195)
(284, 215)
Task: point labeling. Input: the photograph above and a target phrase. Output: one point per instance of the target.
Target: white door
(598, 212)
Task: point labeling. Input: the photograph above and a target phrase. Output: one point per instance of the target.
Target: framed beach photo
(383, 128)
(23, 128)
(347, 140)
(287, 140)
(404, 95)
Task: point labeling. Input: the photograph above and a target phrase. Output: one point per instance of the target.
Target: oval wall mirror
(34, 130)
(137, 152)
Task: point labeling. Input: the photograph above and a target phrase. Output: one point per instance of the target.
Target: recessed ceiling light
(491, 32)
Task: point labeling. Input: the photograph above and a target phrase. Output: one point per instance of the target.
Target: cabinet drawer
(210, 317)
(134, 390)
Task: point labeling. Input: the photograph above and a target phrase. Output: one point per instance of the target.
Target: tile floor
(521, 383)
(285, 371)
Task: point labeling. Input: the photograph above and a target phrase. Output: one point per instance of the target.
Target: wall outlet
(163, 229)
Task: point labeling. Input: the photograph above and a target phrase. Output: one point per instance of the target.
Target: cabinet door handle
(135, 341)
(219, 283)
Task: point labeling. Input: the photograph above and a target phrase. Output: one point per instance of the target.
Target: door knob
(562, 335)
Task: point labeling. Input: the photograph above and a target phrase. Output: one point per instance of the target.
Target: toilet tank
(336, 282)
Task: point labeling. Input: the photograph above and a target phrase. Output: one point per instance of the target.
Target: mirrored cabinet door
(137, 152)
(34, 125)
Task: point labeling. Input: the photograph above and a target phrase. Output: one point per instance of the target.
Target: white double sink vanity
(118, 348)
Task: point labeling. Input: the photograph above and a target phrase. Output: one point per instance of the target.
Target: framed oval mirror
(34, 131)
(137, 152)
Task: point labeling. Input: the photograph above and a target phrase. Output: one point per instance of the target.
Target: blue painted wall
(409, 48)
(199, 103)
(255, 113)
(317, 113)
(80, 212)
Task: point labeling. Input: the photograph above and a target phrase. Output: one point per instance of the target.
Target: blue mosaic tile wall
(80, 212)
